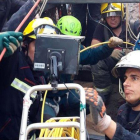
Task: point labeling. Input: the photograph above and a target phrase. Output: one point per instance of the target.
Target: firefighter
(114, 25)
(113, 14)
(127, 126)
(17, 76)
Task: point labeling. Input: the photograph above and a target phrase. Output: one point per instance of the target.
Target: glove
(114, 41)
(126, 51)
(10, 40)
(100, 120)
(117, 54)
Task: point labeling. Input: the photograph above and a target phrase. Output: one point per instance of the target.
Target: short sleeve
(99, 33)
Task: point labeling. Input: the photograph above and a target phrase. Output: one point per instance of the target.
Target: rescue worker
(127, 126)
(17, 76)
(71, 104)
(113, 19)
(69, 25)
(113, 14)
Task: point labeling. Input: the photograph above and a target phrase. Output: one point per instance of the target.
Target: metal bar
(51, 125)
(27, 103)
(58, 118)
(91, 1)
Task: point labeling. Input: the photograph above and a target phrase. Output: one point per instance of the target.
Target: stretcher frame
(24, 129)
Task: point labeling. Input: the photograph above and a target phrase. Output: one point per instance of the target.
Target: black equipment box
(65, 48)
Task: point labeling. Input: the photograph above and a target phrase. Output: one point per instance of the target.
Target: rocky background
(133, 9)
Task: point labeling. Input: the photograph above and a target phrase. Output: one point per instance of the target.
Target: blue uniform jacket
(16, 66)
(11, 98)
(122, 131)
(92, 56)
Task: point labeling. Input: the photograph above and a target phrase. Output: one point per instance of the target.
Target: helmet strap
(134, 105)
(27, 41)
(25, 49)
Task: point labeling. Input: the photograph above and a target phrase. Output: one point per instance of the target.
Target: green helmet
(69, 25)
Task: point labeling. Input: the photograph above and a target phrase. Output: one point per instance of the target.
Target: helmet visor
(46, 29)
(111, 14)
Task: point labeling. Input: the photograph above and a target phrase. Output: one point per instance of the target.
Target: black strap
(130, 125)
(106, 34)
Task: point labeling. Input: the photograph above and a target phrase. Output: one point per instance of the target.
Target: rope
(102, 44)
(42, 7)
(127, 14)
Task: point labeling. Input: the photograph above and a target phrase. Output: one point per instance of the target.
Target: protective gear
(13, 71)
(112, 9)
(69, 25)
(132, 125)
(100, 119)
(114, 42)
(45, 25)
(10, 40)
(131, 60)
(117, 54)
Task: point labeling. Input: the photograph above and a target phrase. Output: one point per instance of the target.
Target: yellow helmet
(112, 9)
(45, 25)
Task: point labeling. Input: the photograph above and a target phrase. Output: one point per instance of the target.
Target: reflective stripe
(23, 87)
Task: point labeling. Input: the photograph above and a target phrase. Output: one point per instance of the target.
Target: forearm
(110, 131)
(92, 56)
(16, 18)
(116, 132)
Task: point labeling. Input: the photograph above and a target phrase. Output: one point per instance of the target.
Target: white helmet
(131, 60)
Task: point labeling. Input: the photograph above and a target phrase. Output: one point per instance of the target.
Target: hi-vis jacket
(16, 78)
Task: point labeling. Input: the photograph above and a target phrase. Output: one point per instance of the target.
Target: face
(31, 50)
(113, 21)
(132, 85)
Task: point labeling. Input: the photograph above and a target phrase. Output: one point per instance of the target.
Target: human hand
(114, 41)
(117, 54)
(100, 120)
(11, 41)
(126, 51)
